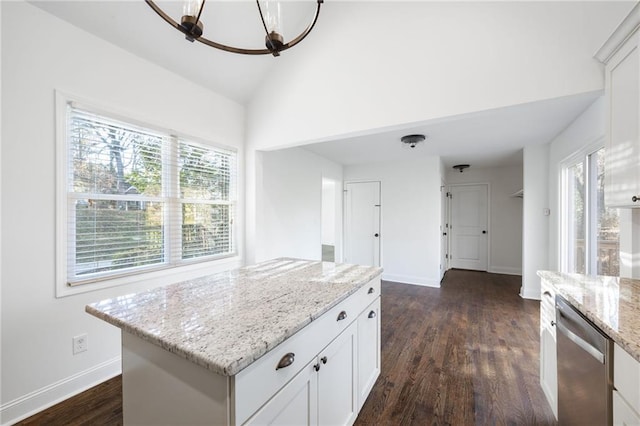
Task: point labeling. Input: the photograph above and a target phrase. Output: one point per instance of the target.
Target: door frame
(444, 229)
(450, 213)
(344, 215)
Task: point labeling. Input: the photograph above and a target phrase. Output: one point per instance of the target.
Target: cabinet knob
(553, 323)
(316, 367)
(370, 290)
(342, 315)
(324, 359)
(635, 198)
(372, 314)
(286, 360)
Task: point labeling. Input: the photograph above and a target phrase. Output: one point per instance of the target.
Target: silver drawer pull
(286, 360)
(342, 315)
(372, 314)
(370, 290)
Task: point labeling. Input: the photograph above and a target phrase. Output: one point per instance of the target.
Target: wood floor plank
(464, 354)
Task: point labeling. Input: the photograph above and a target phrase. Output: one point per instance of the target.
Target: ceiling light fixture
(192, 27)
(412, 140)
(461, 167)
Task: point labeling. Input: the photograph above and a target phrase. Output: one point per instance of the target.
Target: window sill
(154, 278)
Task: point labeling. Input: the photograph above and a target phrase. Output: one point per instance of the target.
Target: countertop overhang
(611, 303)
(225, 321)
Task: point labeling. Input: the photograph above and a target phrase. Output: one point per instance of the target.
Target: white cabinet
(337, 396)
(623, 414)
(548, 354)
(621, 57)
(327, 390)
(626, 383)
(368, 350)
(295, 404)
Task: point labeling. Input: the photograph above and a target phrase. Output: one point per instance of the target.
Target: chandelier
(192, 27)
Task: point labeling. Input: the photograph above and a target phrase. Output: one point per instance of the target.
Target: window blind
(139, 198)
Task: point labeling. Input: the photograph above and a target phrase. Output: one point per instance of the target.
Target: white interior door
(362, 223)
(468, 227)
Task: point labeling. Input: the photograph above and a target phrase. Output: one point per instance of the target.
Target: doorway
(468, 226)
(362, 223)
(328, 221)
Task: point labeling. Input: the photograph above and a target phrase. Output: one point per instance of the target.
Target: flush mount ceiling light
(412, 140)
(461, 167)
(192, 27)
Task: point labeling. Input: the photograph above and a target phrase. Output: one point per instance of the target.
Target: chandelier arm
(200, 11)
(264, 24)
(232, 49)
(168, 19)
(305, 32)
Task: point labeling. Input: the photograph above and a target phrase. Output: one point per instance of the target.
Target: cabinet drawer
(626, 376)
(257, 383)
(548, 308)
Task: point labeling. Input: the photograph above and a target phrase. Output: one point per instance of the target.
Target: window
(590, 229)
(138, 199)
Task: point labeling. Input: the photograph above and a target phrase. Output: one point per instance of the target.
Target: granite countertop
(225, 321)
(611, 303)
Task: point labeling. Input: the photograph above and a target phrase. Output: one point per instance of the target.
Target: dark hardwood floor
(464, 354)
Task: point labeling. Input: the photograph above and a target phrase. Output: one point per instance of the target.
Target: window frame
(171, 266)
(588, 159)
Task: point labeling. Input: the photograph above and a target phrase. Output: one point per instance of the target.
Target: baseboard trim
(535, 295)
(41, 399)
(506, 270)
(406, 279)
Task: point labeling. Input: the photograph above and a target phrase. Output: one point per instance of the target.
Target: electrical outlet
(80, 344)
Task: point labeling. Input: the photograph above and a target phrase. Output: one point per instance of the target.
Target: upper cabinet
(621, 56)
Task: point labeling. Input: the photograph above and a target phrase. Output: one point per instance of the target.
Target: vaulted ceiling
(486, 137)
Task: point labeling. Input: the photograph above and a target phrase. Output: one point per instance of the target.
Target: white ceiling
(485, 139)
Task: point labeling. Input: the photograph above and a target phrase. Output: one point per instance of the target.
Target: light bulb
(272, 17)
(191, 7)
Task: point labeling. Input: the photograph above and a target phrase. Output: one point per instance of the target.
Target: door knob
(484, 232)
(375, 235)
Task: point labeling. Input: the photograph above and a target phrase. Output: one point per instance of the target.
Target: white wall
(410, 217)
(505, 222)
(38, 367)
(535, 235)
(374, 65)
(289, 211)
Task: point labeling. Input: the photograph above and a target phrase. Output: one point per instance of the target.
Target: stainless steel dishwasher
(584, 369)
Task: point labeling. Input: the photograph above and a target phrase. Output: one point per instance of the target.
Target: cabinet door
(337, 396)
(622, 87)
(295, 404)
(623, 414)
(368, 350)
(549, 368)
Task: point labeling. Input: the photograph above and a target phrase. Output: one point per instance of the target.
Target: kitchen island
(284, 341)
